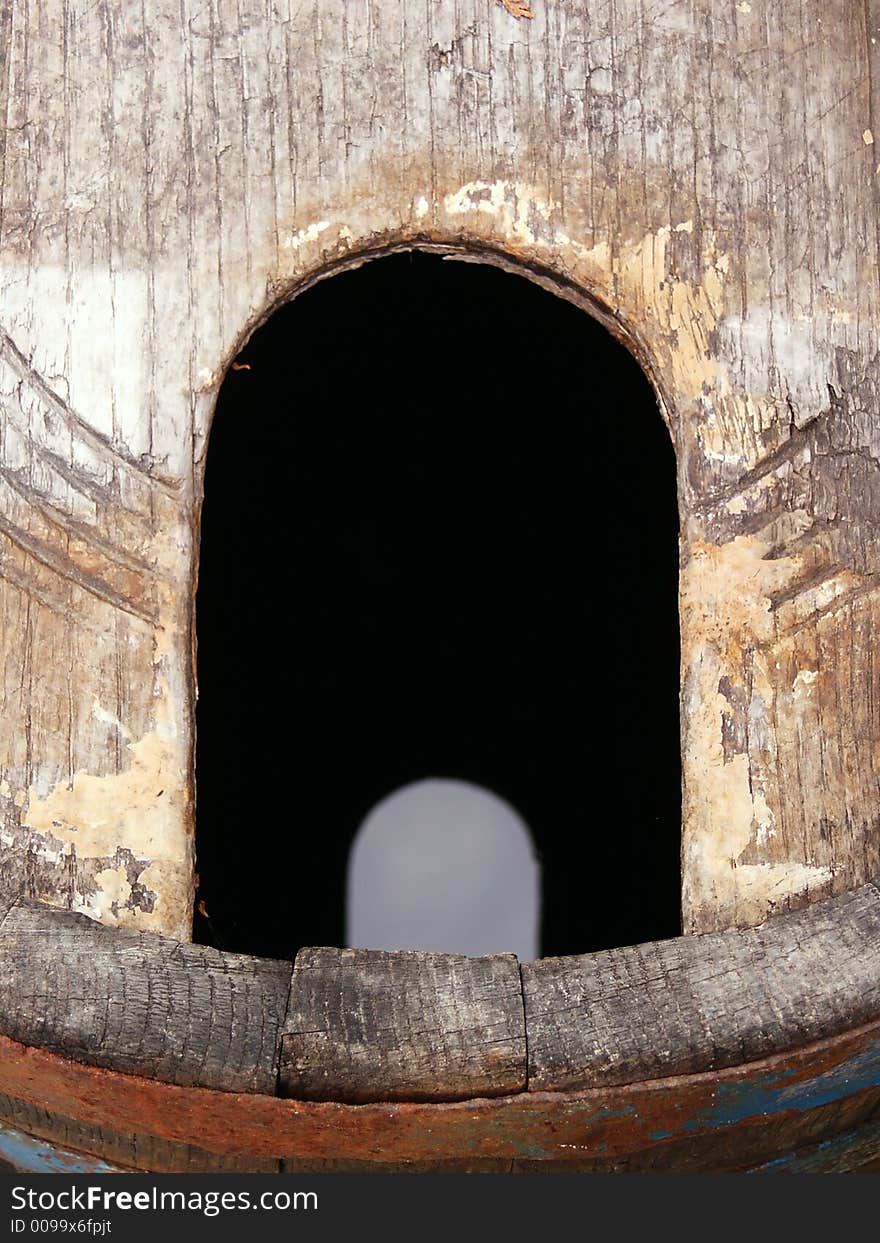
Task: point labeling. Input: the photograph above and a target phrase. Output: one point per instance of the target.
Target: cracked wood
(367, 1025)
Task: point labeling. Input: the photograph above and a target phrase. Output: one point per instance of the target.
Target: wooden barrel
(192, 176)
(739, 1050)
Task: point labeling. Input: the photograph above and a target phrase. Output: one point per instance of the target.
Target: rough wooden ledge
(701, 1003)
(358, 1025)
(140, 1003)
(367, 1025)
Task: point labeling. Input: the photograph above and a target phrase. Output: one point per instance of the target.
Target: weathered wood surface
(704, 172)
(133, 1149)
(723, 1120)
(853, 1152)
(366, 1025)
(355, 1029)
(20, 1152)
(701, 1003)
(462, 1165)
(872, 21)
(141, 1003)
(359, 1025)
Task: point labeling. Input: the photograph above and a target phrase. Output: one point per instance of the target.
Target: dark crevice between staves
(522, 993)
(439, 540)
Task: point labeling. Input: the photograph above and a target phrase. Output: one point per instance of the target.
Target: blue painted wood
(841, 1154)
(784, 1090)
(33, 1156)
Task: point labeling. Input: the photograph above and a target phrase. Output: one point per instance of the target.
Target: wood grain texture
(702, 1003)
(701, 172)
(141, 1003)
(853, 1152)
(465, 1165)
(369, 1025)
(135, 1150)
(872, 24)
(723, 1119)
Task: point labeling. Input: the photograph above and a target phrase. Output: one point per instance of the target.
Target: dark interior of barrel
(439, 539)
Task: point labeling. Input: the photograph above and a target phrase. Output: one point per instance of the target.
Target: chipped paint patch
(727, 619)
(117, 845)
(636, 279)
(115, 890)
(774, 1093)
(804, 681)
(303, 237)
(141, 809)
(512, 206)
(35, 1156)
(109, 718)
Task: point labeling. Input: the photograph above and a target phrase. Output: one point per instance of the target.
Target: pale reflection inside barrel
(447, 866)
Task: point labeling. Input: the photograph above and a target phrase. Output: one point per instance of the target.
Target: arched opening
(443, 865)
(439, 540)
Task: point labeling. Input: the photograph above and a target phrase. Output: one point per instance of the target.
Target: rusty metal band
(543, 1126)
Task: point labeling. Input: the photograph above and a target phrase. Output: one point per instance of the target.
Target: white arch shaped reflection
(446, 866)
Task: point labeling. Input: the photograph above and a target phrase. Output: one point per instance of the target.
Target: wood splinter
(516, 8)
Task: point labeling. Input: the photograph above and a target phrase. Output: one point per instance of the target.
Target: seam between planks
(642, 1069)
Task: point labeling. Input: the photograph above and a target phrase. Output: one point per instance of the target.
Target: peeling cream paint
(726, 619)
(115, 889)
(804, 681)
(144, 809)
(677, 316)
(634, 280)
(109, 718)
(765, 825)
(510, 204)
(97, 814)
(140, 809)
(309, 234)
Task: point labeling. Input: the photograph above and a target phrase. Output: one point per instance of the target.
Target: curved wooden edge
(358, 1025)
(702, 1003)
(855, 1151)
(774, 1105)
(366, 1025)
(139, 1002)
(130, 1149)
